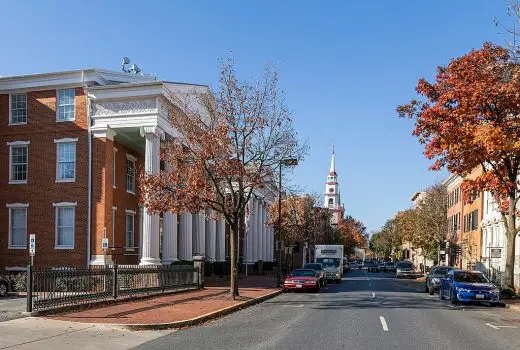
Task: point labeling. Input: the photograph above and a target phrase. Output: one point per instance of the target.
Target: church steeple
(332, 199)
(332, 170)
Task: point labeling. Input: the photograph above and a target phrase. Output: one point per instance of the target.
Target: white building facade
(494, 241)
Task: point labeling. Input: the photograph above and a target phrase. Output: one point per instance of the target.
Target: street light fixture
(285, 162)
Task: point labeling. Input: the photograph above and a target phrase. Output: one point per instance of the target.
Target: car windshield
(441, 270)
(389, 264)
(404, 265)
(329, 262)
(303, 273)
(313, 266)
(470, 277)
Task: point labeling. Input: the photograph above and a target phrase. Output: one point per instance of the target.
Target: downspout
(89, 200)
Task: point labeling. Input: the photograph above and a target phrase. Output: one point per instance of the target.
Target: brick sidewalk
(174, 307)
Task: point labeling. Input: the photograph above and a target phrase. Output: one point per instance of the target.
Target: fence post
(115, 287)
(198, 263)
(29, 287)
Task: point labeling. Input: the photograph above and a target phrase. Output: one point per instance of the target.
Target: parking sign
(32, 244)
(104, 243)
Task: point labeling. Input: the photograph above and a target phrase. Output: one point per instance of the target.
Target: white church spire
(333, 162)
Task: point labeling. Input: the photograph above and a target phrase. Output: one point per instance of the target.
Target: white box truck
(331, 257)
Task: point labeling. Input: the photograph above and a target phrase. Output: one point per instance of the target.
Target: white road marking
(373, 295)
(301, 305)
(431, 296)
(498, 327)
(490, 325)
(383, 323)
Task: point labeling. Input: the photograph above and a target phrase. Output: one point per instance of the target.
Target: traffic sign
(32, 244)
(104, 243)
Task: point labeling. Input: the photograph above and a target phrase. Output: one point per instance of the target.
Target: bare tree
(229, 145)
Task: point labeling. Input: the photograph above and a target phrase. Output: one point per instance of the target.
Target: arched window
(331, 202)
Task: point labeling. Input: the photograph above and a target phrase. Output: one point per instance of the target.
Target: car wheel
(3, 289)
(430, 290)
(426, 289)
(338, 281)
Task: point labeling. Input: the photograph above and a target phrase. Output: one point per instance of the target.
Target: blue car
(467, 285)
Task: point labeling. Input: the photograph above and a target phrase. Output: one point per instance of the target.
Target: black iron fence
(51, 288)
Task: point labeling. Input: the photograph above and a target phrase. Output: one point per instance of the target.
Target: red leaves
(468, 118)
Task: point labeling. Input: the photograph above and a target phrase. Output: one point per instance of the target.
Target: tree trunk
(509, 276)
(233, 242)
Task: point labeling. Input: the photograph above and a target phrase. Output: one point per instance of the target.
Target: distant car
(346, 265)
(433, 279)
(389, 266)
(5, 286)
(320, 271)
(353, 264)
(468, 285)
(371, 266)
(302, 279)
(381, 266)
(405, 269)
(360, 264)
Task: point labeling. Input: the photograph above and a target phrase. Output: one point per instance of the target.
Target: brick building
(71, 144)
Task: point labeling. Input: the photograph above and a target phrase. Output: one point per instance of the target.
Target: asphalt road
(365, 311)
(11, 307)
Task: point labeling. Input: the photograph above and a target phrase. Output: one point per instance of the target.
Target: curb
(512, 307)
(199, 319)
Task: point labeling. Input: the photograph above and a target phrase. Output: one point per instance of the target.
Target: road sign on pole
(32, 247)
(32, 244)
(104, 244)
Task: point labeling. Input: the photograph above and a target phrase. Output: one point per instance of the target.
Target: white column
(268, 243)
(254, 231)
(264, 232)
(249, 232)
(221, 240)
(150, 244)
(271, 245)
(258, 238)
(169, 238)
(202, 233)
(211, 238)
(185, 238)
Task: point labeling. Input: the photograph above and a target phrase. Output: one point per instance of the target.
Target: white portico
(137, 116)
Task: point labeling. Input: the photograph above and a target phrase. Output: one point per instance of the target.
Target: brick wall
(41, 190)
(105, 196)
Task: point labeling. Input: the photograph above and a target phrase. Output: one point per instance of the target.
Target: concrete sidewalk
(38, 333)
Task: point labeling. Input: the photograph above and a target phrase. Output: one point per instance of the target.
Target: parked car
(353, 264)
(433, 279)
(381, 267)
(389, 266)
(5, 286)
(371, 266)
(346, 265)
(302, 279)
(468, 285)
(406, 269)
(320, 271)
(360, 264)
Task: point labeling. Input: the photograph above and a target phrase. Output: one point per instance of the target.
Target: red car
(302, 279)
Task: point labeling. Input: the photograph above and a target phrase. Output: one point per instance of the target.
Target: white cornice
(70, 78)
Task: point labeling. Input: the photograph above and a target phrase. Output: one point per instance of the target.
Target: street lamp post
(286, 162)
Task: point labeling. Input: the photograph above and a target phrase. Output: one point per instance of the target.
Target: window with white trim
(18, 162)
(65, 226)
(130, 221)
(66, 105)
(66, 161)
(18, 111)
(130, 174)
(17, 226)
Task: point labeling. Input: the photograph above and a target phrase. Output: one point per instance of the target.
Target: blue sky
(344, 65)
